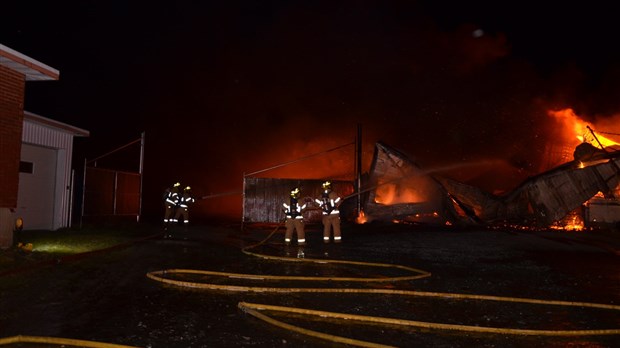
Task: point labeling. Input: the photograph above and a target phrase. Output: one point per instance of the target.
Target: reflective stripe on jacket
(185, 201)
(296, 212)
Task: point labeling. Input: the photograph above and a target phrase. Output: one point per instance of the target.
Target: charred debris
(583, 193)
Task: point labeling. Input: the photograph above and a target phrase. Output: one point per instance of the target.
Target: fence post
(83, 192)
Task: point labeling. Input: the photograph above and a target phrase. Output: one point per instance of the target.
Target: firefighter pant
(182, 212)
(298, 226)
(331, 222)
(169, 212)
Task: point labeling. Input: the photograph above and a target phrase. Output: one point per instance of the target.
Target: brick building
(15, 70)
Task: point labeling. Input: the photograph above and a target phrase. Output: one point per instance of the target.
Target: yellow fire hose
(63, 342)
(253, 308)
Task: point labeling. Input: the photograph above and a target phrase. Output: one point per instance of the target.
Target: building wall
(62, 142)
(36, 197)
(12, 89)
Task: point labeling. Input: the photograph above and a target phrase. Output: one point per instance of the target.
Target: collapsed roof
(399, 189)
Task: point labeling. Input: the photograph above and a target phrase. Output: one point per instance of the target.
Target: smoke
(447, 98)
(223, 89)
(609, 126)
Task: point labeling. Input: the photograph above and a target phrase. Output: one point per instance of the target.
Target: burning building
(567, 193)
(583, 190)
(397, 189)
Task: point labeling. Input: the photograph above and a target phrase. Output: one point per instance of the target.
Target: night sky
(223, 88)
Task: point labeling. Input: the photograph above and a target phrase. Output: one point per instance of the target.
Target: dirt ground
(106, 297)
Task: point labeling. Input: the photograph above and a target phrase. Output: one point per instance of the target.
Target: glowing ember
(573, 222)
(569, 227)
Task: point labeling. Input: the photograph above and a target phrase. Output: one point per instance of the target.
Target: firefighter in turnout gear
(185, 201)
(329, 203)
(294, 219)
(171, 199)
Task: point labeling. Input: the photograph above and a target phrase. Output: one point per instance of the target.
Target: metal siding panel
(604, 211)
(249, 197)
(44, 136)
(264, 196)
(565, 191)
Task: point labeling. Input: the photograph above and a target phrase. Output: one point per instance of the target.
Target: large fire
(569, 132)
(391, 193)
(576, 131)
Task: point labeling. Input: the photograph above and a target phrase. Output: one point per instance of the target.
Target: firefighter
(171, 200)
(294, 219)
(185, 201)
(329, 203)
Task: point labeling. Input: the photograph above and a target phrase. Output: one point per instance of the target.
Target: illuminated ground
(106, 296)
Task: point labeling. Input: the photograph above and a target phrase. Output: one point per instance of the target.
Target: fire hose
(63, 342)
(254, 309)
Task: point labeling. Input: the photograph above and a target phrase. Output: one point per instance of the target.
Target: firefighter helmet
(327, 185)
(177, 184)
(187, 188)
(295, 192)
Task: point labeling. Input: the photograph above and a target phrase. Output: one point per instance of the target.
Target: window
(26, 167)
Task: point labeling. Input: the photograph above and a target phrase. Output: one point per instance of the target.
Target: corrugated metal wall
(544, 199)
(36, 134)
(557, 194)
(602, 212)
(263, 198)
(40, 135)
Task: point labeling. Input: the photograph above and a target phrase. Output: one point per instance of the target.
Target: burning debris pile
(397, 189)
(400, 190)
(567, 193)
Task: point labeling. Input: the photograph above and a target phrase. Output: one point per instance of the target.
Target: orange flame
(575, 130)
(361, 218)
(574, 223)
(392, 194)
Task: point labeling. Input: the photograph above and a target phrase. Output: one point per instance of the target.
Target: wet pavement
(107, 297)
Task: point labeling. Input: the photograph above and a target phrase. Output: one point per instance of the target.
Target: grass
(49, 245)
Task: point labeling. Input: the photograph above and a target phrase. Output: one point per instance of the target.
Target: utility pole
(358, 169)
(141, 171)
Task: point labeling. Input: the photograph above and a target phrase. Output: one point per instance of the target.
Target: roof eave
(75, 131)
(32, 69)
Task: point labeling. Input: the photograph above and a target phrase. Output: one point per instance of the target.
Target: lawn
(53, 245)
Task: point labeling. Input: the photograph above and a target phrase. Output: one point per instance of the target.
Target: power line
(115, 150)
(299, 159)
(608, 133)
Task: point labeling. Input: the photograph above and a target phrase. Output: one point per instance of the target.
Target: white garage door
(37, 177)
